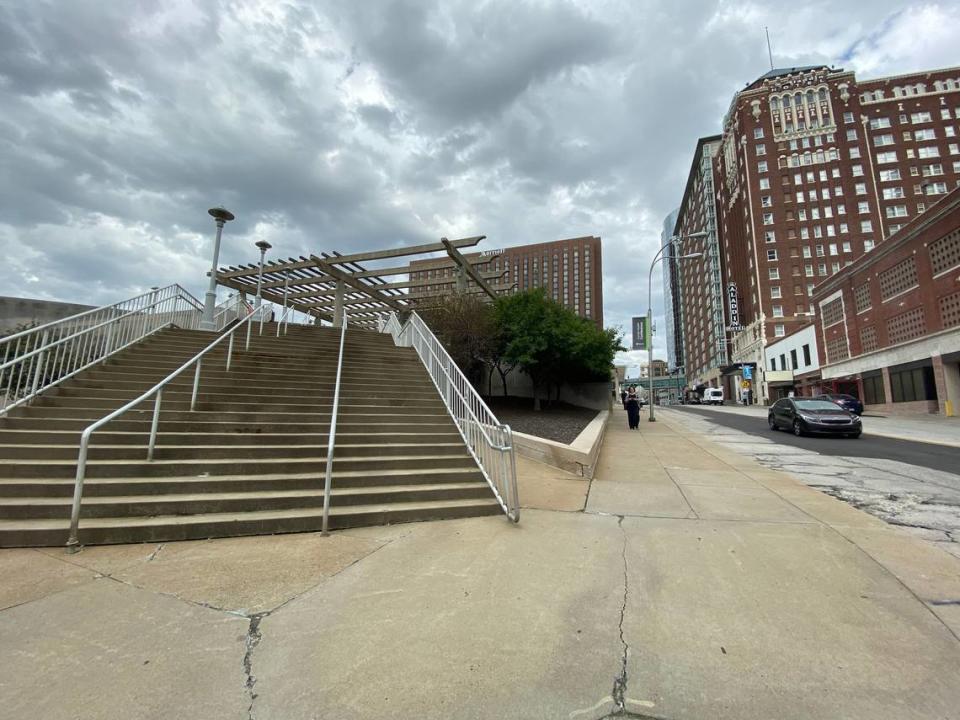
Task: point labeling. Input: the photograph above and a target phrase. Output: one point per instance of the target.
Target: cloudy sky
(349, 125)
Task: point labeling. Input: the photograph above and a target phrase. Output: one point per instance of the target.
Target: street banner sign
(641, 333)
(748, 372)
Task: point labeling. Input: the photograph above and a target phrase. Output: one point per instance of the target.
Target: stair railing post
(38, 371)
(196, 385)
(332, 433)
(154, 424)
(229, 352)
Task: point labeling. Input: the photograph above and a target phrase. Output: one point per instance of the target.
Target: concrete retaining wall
(595, 396)
(25, 311)
(579, 457)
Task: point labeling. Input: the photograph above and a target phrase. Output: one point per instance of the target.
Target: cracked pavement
(685, 581)
(924, 501)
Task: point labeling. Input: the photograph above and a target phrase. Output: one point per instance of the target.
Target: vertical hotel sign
(733, 303)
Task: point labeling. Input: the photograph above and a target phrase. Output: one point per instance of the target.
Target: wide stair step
(251, 458)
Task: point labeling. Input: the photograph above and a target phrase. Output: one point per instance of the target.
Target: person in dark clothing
(623, 398)
(633, 409)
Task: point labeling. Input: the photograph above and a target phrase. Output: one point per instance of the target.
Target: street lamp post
(656, 258)
(264, 246)
(221, 215)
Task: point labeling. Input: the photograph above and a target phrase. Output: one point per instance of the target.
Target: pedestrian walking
(633, 409)
(623, 398)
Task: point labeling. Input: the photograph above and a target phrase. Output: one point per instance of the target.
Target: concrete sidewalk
(685, 581)
(934, 429)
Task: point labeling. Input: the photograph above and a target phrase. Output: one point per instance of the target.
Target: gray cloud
(343, 125)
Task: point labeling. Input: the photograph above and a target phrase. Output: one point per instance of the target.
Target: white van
(713, 396)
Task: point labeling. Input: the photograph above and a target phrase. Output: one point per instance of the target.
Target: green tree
(465, 325)
(552, 344)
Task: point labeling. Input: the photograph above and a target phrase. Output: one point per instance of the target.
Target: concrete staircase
(251, 458)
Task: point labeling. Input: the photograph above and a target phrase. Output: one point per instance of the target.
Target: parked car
(847, 402)
(713, 396)
(807, 415)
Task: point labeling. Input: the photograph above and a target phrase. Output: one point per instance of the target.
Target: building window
(806, 355)
(771, 254)
(932, 170)
(896, 211)
(866, 226)
(886, 157)
(892, 193)
(913, 385)
(930, 151)
(927, 134)
(851, 134)
(879, 123)
(766, 201)
(881, 140)
(848, 117)
(768, 218)
(863, 208)
(857, 170)
(779, 330)
(889, 175)
(757, 133)
(793, 359)
(774, 273)
(764, 183)
(861, 188)
(775, 291)
(762, 166)
(854, 153)
(920, 117)
(778, 310)
(773, 364)
(770, 236)
(937, 188)
(761, 149)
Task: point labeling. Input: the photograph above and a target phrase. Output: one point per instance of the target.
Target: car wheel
(772, 423)
(797, 428)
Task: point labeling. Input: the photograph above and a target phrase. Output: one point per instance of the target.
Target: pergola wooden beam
(349, 279)
(467, 267)
(404, 251)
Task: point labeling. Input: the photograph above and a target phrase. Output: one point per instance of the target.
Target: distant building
(699, 290)
(889, 324)
(571, 271)
(672, 315)
(814, 168)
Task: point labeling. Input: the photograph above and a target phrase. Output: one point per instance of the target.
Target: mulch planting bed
(557, 421)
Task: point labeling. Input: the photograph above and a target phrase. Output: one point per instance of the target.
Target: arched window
(823, 95)
(775, 104)
(786, 101)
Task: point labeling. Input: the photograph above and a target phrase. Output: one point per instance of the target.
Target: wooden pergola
(321, 285)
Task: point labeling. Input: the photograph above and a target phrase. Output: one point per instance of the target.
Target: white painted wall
(807, 336)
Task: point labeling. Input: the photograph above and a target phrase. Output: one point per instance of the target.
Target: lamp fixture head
(220, 213)
(263, 245)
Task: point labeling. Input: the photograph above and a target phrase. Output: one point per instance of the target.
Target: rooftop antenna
(769, 51)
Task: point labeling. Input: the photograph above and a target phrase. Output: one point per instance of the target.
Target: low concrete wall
(595, 396)
(25, 311)
(579, 457)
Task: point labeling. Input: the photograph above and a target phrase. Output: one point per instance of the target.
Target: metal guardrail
(39, 358)
(73, 543)
(489, 441)
(331, 436)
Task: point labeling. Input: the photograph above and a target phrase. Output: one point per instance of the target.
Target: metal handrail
(42, 357)
(489, 441)
(73, 543)
(331, 436)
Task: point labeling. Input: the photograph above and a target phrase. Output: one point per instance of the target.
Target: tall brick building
(813, 169)
(570, 270)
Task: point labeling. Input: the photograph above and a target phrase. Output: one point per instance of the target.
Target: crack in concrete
(156, 552)
(620, 682)
(254, 636)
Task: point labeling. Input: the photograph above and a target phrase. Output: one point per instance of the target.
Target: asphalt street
(926, 455)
